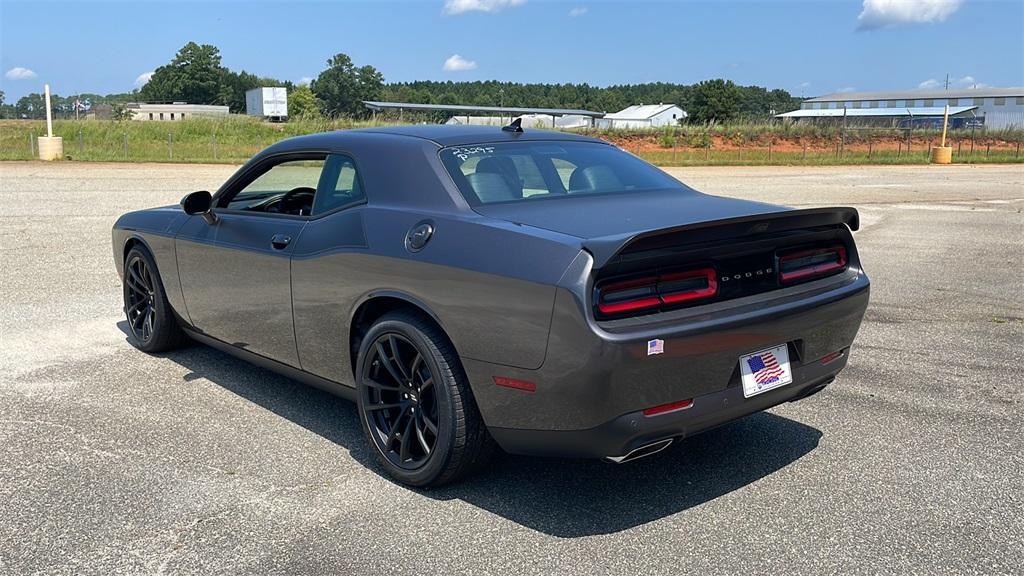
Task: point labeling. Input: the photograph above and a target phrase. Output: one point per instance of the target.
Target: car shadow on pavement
(559, 497)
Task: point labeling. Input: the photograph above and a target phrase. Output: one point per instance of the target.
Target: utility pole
(947, 81)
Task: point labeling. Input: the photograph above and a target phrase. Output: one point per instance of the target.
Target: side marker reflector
(670, 407)
(513, 383)
(833, 356)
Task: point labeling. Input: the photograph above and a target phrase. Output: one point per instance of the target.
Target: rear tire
(415, 403)
(151, 321)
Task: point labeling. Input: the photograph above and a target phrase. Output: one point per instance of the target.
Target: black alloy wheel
(415, 404)
(139, 298)
(151, 320)
(400, 401)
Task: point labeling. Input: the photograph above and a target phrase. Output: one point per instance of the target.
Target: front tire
(151, 321)
(415, 403)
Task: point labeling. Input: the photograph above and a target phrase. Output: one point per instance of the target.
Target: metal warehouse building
(644, 116)
(993, 108)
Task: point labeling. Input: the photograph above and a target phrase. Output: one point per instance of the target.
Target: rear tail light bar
(811, 263)
(654, 291)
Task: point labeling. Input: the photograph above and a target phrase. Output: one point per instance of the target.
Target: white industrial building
(644, 116)
(174, 111)
(989, 107)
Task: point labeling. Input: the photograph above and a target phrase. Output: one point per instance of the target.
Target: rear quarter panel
(489, 285)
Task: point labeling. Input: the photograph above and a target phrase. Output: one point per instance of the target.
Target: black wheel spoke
(426, 385)
(419, 435)
(414, 371)
(398, 358)
(147, 326)
(375, 407)
(380, 385)
(406, 440)
(395, 429)
(139, 282)
(382, 357)
(429, 424)
(137, 321)
(136, 286)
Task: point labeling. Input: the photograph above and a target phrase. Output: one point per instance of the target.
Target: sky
(806, 47)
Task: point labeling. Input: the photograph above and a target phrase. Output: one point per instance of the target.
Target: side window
(339, 185)
(286, 188)
(564, 169)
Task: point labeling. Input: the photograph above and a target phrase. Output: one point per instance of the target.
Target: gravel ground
(114, 461)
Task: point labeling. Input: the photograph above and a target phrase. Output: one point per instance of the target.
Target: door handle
(280, 241)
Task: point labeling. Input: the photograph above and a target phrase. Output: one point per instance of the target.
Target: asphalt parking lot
(112, 461)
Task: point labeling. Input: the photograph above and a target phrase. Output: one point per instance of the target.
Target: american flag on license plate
(765, 368)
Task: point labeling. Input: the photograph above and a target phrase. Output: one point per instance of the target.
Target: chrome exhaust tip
(645, 450)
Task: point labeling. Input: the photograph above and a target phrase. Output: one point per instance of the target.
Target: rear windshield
(521, 171)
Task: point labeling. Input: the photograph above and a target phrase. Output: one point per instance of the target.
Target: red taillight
(670, 407)
(653, 291)
(686, 286)
(629, 295)
(808, 263)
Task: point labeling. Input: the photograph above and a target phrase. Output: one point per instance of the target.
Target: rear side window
(339, 185)
(522, 171)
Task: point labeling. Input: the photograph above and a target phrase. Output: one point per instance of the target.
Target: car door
(236, 272)
(329, 270)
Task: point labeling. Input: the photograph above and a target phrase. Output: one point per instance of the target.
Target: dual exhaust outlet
(645, 450)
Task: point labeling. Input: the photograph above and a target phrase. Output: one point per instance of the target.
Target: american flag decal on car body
(765, 368)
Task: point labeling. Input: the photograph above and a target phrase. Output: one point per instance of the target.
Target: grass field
(234, 140)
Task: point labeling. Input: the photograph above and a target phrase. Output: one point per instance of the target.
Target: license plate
(765, 370)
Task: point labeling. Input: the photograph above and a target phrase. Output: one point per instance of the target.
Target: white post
(50, 147)
(49, 114)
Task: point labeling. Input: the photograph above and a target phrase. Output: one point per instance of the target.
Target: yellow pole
(945, 124)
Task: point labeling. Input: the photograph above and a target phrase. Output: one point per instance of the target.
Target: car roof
(459, 135)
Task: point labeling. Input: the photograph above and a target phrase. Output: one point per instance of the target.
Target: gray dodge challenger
(476, 287)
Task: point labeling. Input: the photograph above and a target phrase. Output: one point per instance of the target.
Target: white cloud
(19, 73)
(959, 83)
(453, 7)
(578, 11)
(845, 89)
(457, 63)
(804, 85)
(143, 79)
(305, 81)
(883, 13)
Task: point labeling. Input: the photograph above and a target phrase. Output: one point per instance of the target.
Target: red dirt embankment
(658, 141)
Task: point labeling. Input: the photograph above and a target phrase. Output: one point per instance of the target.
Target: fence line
(678, 146)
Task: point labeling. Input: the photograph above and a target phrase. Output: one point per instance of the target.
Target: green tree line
(196, 75)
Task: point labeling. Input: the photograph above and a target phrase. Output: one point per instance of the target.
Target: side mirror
(200, 202)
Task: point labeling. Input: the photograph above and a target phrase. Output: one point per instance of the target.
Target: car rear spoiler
(604, 248)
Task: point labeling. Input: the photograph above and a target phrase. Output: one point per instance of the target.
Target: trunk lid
(612, 224)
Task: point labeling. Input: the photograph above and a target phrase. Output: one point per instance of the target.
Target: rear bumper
(597, 379)
(626, 433)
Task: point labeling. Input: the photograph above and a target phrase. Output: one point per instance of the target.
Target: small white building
(644, 116)
(174, 111)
